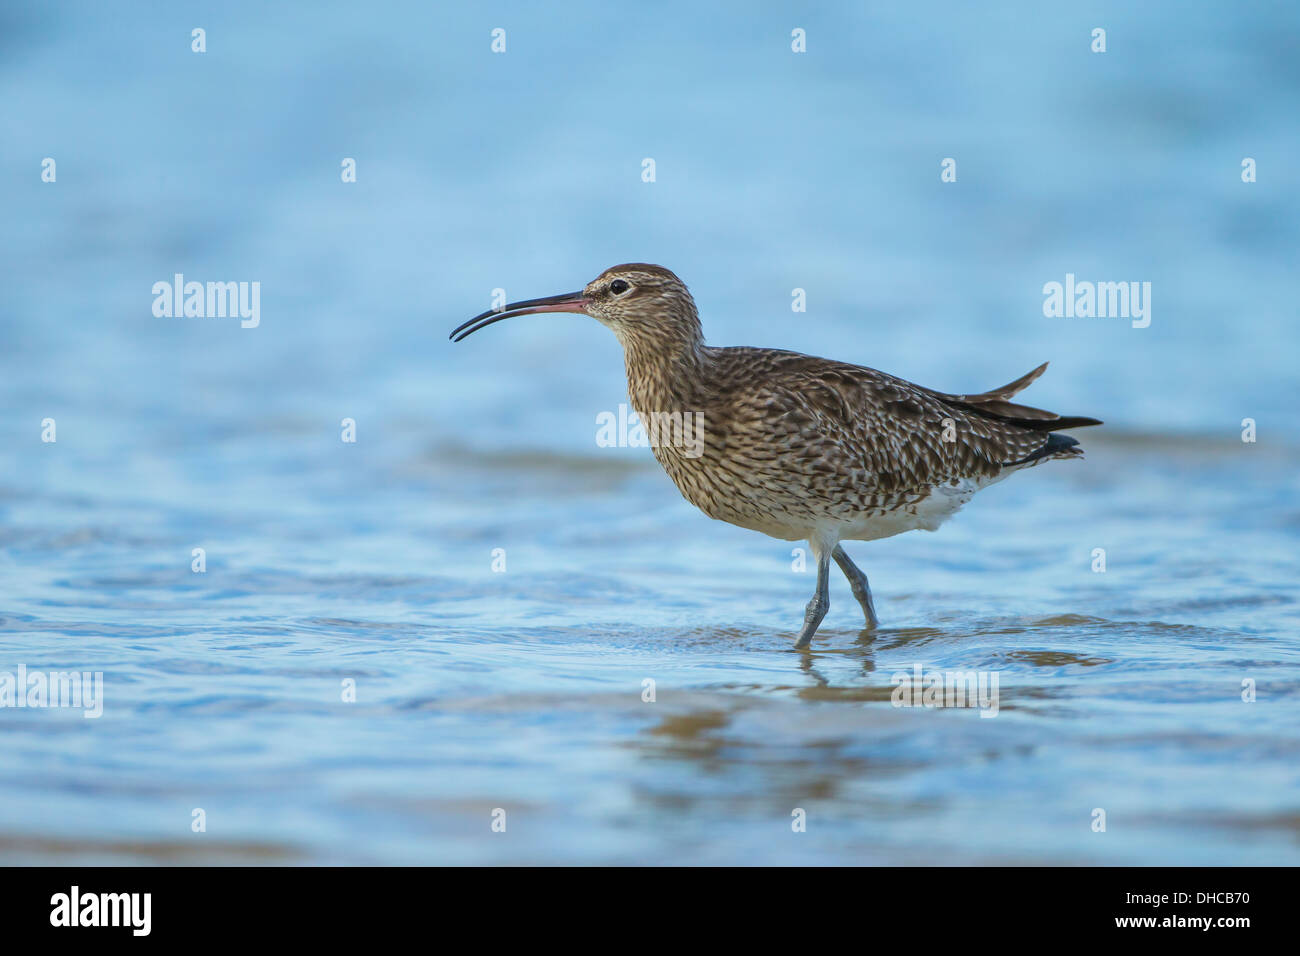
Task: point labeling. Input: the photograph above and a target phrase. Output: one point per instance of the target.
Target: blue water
(522, 689)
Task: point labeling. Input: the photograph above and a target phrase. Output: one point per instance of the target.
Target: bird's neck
(666, 373)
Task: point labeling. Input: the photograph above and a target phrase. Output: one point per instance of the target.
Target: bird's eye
(618, 287)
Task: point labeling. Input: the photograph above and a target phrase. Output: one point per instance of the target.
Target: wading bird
(803, 448)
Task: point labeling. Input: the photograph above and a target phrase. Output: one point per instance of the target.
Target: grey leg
(858, 582)
(820, 603)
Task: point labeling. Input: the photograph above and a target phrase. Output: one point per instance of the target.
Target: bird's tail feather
(1056, 446)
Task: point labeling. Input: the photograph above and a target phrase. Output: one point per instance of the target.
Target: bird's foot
(868, 611)
(812, 619)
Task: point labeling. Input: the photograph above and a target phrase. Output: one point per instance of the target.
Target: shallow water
(522, 689)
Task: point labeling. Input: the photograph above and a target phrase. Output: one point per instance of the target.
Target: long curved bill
(568, 302)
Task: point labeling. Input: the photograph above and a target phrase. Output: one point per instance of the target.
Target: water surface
(373, 562)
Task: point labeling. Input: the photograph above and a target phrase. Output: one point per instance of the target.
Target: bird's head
(644, 305)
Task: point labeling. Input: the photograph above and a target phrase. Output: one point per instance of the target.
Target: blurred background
(522, 170)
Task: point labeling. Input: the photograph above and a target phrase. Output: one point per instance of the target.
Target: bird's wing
(893, 436)
(995, 404)
(1011, 388)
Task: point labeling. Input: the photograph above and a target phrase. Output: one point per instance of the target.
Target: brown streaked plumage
(800, 447)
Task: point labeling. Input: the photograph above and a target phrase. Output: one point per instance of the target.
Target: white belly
(927, 514)
(919, 514)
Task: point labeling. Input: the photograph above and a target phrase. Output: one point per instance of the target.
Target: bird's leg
(821, 601)
(858, 582)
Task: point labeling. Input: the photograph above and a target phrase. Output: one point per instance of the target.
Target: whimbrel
(803, 448)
